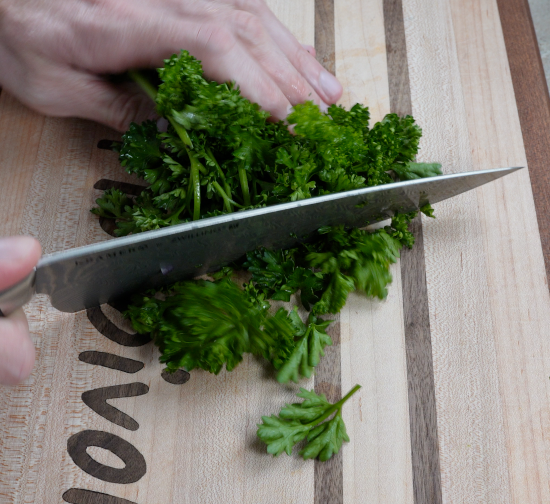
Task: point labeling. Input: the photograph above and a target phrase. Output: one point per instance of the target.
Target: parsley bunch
(221, 154)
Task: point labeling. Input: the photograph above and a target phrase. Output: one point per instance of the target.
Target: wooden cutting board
(454, 364)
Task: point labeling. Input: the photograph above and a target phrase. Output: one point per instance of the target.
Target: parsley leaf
(308, 419)
(307, 351)
(207, 324)
(412, 171)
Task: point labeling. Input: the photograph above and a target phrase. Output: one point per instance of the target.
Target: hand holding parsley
(54, 54)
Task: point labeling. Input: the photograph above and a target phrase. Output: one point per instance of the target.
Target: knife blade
(91, 275)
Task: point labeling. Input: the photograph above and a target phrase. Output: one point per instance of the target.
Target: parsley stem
(174, 218)
(182, 132)
(227, 189)
(233, 202)
(222, 193)
(335, 407)
(143, 83)
(195, 178)
(244, 186)
(228, 192)
(218, 167)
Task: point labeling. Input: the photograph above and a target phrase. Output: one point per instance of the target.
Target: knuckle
(41, 94)
(274, 101)
(18, 28)
(253, 6)
(124, 109)
(302, 58)
(215, 38)
(248, 26)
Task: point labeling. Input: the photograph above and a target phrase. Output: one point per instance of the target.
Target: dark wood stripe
(329, 476)
(533, 104)
(324, 34)
(421, 387)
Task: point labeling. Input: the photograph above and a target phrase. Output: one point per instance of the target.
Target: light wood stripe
(377, 461)
(420, 378)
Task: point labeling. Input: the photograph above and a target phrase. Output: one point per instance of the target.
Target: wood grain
(518, 294)
(467, 387)
(83, 496)
(17, 122)
(329, 476)
(377, 464)
(533, 103)
(487, 294)
(420, 378)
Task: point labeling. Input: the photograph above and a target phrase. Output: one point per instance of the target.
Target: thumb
(115, 106)
(18, 256)
(17, 352)
(72, 93)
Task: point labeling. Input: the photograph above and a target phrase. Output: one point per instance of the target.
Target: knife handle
(17, 295)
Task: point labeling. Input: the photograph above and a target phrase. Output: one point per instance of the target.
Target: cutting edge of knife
(133, 240)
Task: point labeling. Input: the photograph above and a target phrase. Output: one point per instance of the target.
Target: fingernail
(12, 249)
(323, 107)
(162, 125)
(330, 85)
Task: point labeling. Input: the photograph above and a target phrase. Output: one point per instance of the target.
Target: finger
(264, 75)
(66, 92)
(17, 352)
(310, 49)
(266, 53)
(115, 106)
(254, 83)
(322, 81)
(18, 256)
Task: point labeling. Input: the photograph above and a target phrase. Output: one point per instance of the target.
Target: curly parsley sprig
(307, 420)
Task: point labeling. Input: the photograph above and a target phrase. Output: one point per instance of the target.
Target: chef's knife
(89, 276)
